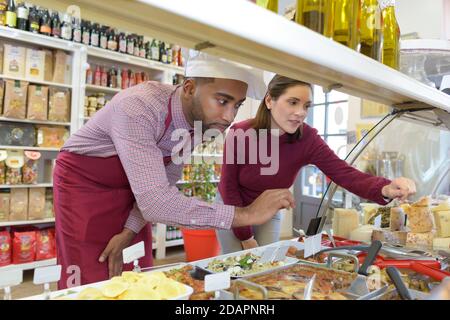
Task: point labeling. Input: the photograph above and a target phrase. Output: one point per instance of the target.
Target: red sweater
(241, 184)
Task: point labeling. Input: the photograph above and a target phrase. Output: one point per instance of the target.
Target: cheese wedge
(441, 244)
(344, 222)
(363, 233)
(420, 219)
(425, 239)
(442, 220)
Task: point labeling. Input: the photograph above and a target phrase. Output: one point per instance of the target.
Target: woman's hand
(113, 251)
(399, 188)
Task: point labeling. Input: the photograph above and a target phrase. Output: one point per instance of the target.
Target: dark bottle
(136, 46)
(112, 78)
(33, 19)
(22, 17)
(122, 43)
(11, 16)
(76, 27)
(142, 47)
(56, 25)
(46, 28)
(104, 37)
(66, 27)
(95, 35)
(155, 50)
(163, 53)
(86, 33)
(130, 44)
(148, 51)
(104, 77)
(112, 40)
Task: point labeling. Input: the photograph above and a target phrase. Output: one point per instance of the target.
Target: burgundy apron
(92, 201)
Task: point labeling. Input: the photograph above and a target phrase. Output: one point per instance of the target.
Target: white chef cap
(200, 64)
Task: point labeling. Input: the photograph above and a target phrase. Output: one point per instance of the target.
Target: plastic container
(200, 244)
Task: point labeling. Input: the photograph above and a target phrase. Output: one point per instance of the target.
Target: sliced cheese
(344, 222)
(420, 219)
(442, 220)
(363, 233)
(425, 239)
(441, 244)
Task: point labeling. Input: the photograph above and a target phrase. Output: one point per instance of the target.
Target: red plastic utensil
(429, 271)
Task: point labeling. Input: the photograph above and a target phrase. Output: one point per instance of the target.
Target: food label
(47, 274)
(267, 255)
(217, 281)
(377, 222)
(11, 278)
(313, 244)
(133, 252)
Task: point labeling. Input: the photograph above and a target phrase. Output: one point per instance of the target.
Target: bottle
(3, 7)
(112, 41)
(97, 76)
(169, 54)
(46, 28)
(104, 37)
(345, 22)
(138, 76)
(104, 77)
(56, 25)
(142, 50)
(271, 5)
(180, 58)
(86, 32)
(136, 46)
(370, 29)
(95, 35)
(119, 78)
(390, 54)
(315, 15)
(89, 76)
(155, 50)
(66, 27)
(163, 53)
(125, 79)
(175, 58)
(130, 44)
(112, 81)
(131, 79)
(122, 43)
(76, 27)
(11, 16)
(22, 17)
(33, 20)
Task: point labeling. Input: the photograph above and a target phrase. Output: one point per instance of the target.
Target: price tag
(217, 281)
(267, 255)
(377, 222)
(280, 254)
(47, 274)
(133, 252)
(313, 244)
(11, 278)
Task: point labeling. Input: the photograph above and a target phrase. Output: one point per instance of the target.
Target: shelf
(272, 43)
(174, 243)
(45, 83)
(53, 123)
(29, 266)
(21, 186)
(90, 87)
(132, 60)
(29, 148)
(26, 222)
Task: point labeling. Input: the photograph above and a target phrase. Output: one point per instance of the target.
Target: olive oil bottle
(315, 15)
(370, 29)
(271, 5)
(345, 22)
(390, 54)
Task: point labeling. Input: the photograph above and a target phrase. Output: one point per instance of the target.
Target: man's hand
(249, 244)
(263, 208)
(400, 188)
(113, 251)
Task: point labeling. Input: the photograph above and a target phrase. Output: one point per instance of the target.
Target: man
(116, 173)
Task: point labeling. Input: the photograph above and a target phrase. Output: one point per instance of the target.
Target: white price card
(217, 281)
(133, 252)
(280, 254)
(313, 244)
(11, 278)
(47, 274)
(267, 255)
(377, 222)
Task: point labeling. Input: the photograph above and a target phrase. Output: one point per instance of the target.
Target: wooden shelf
(45, 83)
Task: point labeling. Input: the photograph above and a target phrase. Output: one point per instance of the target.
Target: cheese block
(363, 233)
(423, 202)
(441, 243)
(369, 209)
(415, 239)
(397, 219)
(344, 222)
(420, 219)
(385, 235)
(442, 220)
(443, 206)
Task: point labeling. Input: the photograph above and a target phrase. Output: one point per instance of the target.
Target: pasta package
(36, 204)
(14, 61)
(24, 247)
(14, 164)
(30, 167)
(3, 156)
(17, 134)
(5, 248)
(49, 213)
(59, 105)
(4, 205)
(18, 207)
(51, 137)
(45, 245)
(37, 106)
(15, 103)
(2, 93)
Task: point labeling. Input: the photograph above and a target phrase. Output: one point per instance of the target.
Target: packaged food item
(5, 248)
(15, 104)
(4, 205)
(48, 68)
(45, 245)
(2, 94)
(18, 204)
(30, 167)
(14, 61)
(59, 66)
(37, 106)
(24, 247)
(34, 64)
(48, 211)
(2, 52)
(17, 134)
(3, 156)
(51, 137)
(59, 105)
(36, 204)
(14, 164)
(345, 221)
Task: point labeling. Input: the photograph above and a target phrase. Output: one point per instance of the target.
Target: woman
(285, 107)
